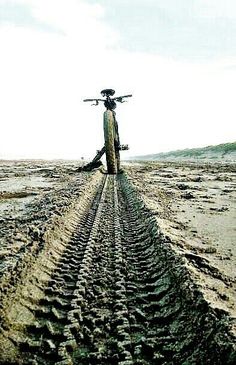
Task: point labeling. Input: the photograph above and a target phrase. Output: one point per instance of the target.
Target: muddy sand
(137, 268)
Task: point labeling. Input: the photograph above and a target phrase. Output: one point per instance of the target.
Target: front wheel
(109, 136)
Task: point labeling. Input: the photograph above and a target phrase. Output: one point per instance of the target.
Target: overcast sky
(177, 58)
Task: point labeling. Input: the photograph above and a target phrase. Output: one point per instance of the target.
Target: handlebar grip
(125, 96)
(94, 100)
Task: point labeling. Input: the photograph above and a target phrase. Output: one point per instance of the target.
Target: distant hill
(226, 152)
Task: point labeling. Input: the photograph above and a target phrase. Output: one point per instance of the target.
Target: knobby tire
(109, 136)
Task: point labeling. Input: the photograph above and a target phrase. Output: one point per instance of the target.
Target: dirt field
(130, 269)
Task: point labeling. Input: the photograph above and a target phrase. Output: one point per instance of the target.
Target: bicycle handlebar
(118, 98)
(110, 103)
(121, 97)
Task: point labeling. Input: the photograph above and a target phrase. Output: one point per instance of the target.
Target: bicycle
(112, 146)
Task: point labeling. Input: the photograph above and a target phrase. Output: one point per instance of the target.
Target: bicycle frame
(110, 127)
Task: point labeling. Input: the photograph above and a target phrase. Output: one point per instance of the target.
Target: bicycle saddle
(107, 92)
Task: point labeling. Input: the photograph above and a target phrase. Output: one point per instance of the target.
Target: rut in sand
(104, 287)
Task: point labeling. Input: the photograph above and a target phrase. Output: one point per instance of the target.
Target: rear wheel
(109, 136)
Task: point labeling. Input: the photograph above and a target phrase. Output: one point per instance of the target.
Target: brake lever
(121, 100)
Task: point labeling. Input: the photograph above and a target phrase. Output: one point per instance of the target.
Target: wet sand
(130, 269)
(195, 207)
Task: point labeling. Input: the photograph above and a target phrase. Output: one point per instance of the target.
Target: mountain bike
(112, 146)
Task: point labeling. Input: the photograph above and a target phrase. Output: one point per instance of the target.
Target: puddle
(15, 184)
(14, 207)
(17, 192)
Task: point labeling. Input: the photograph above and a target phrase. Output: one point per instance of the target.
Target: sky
(177, 59)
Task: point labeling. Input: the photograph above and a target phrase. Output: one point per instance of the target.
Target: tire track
(112, 291)
(59, 317)
(170, 322)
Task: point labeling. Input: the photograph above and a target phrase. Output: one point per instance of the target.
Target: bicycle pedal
(124, 147)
